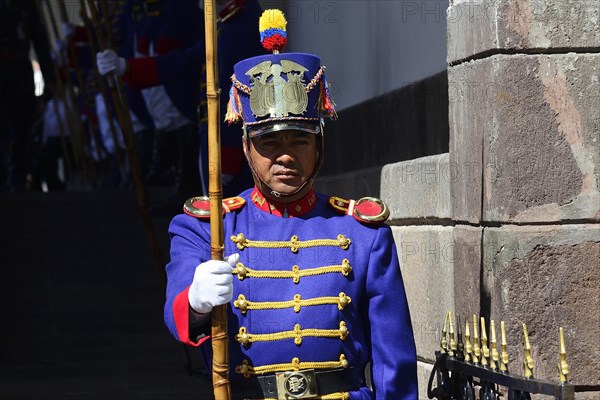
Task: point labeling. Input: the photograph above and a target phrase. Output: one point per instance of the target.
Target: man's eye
(302, 138)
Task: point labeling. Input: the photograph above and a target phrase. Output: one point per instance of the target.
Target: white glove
(108, 61)
(212, 285)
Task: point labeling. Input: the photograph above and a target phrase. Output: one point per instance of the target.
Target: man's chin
(286, 187)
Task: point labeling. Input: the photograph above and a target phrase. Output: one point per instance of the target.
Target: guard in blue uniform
(313, 281)
(127, 18)
(177, 66)
(170, 92)
(238, 39)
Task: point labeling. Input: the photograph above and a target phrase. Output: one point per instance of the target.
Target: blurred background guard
(124, 18)
(50, 166)
(238, 39)
(176, 100)
(170, 91)
(179, 67)
(127, 19)
(109, 144)
(20, 26)
(85, 78)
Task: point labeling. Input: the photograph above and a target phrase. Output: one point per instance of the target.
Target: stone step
(82, 302)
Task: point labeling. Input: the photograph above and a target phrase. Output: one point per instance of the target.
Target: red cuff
(166, 44)
(80, 34)
(181, 315)
(143, 45)
(141, 73)
(231, 160)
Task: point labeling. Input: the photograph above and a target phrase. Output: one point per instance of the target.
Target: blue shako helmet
(279, 91)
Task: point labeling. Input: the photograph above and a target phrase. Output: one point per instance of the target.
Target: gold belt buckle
(296, 384)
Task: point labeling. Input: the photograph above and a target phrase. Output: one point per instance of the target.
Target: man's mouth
(286, 174)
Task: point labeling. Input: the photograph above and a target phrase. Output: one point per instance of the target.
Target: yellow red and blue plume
(273, 35)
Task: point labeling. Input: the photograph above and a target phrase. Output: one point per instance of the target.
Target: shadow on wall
(406, 123)
(351, 185)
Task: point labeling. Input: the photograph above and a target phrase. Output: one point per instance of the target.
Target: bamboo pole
(93, 129)
(103, 89)
(77, 133)
(62, 131)
(122, 110)
(220, 363)
(110, 40)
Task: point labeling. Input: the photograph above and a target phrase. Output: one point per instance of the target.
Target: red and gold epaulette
(370, 210)
(199, 207)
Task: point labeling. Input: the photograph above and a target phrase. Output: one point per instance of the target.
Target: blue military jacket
(128, 21)
(318, 289)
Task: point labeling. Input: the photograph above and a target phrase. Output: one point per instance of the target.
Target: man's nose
(285, 158)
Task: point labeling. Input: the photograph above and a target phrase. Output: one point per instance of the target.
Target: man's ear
(245, 145)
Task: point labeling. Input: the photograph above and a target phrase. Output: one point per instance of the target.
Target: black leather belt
(270, 386)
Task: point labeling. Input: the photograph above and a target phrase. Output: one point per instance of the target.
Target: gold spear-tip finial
(444, 341)
(476, 348)
(485, 350)
(468, 345)
(527, 359)
(563, 367)
(495, 357)
(503, 347)
(452, 344)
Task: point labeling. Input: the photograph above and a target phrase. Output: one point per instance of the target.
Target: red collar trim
(294, 209)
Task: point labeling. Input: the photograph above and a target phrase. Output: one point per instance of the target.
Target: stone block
(467, 121)
(547, 277)
(423, 372)
(536, 120)
(483, 26)
(466, 255)
(417, 189)
(351, 185)
(425, 254)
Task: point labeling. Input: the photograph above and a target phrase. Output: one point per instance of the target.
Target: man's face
(285, 160)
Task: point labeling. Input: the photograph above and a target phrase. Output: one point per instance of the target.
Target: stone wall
(507, 224)
(524, 117)
(417, 193)
(403, 124)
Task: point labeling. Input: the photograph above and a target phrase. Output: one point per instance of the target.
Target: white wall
(370, 47)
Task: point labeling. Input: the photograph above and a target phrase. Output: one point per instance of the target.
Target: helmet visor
(253, 131)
